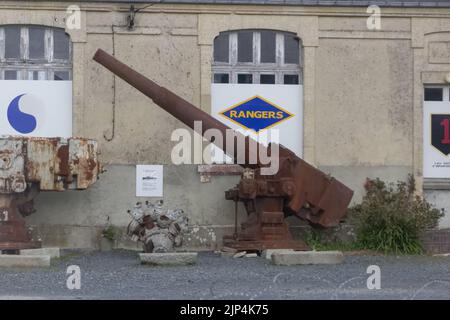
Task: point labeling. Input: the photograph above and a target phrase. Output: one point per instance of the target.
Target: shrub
(110, 233)
(391, 217)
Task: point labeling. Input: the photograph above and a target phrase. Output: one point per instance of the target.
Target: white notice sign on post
(149, 181)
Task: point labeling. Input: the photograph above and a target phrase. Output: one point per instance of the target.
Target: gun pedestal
(265, 227)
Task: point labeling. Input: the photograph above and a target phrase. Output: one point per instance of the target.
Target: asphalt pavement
(118, 274)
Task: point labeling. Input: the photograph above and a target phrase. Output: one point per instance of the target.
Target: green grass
(316, 242)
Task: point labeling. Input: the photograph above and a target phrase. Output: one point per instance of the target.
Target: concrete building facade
(363, 99)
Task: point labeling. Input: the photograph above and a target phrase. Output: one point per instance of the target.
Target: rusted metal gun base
(260, 245)
(14, 235)
(265, 228)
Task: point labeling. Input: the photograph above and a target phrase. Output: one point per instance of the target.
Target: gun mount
(296, 189)
(29, 165)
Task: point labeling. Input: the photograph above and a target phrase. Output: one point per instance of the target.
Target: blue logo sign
(22, 122)
(256, 113)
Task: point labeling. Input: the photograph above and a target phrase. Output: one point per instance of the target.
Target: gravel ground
(118, 275)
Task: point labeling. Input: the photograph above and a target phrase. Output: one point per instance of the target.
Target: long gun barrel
(180, 108)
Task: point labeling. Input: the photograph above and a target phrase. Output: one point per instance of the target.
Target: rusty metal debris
(158, 229)
(296, 189)
(29, 165)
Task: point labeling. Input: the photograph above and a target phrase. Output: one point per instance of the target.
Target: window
(221, 45)
(433, 94)
(10, 75)
(34, 53)
(245, 78)
(268, 45)
(245, 46)
(36, 43)
(267, 79)
(221, 78)
(291, 79)
(291, 50)
(257, 56)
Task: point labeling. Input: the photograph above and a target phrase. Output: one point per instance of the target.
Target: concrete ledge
(52, 252)
(169, 258)
(226, 254)
(12, 260)
(442, 255)
(307, 257)
(268, 252)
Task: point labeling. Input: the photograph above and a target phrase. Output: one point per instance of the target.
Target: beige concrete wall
(362, 89)
(364, 102)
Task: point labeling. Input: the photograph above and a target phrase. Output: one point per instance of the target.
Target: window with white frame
(34, 53)
(257, 56)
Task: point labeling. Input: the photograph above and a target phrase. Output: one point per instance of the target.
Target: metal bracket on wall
(208, 170)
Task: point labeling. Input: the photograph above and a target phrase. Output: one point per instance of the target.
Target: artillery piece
(296, 189)
(29, 165)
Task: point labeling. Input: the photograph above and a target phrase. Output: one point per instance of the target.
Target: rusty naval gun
(29, 165)
(297, 189)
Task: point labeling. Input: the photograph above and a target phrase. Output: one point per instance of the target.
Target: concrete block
(251, 255)
(13, 260)
(240, 254)
(307, 257)
(442, 255)
(168, 258)
(227, 254)
(268, 252)
(228, 249)
(52, 252)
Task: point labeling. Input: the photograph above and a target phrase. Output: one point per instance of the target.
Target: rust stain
(63, 160)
